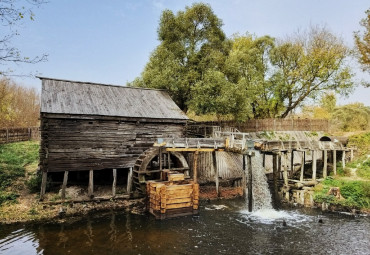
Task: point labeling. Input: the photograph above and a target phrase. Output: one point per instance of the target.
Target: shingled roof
(75, 97)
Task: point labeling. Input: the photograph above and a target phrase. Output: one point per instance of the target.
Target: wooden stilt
(195, 167)
(344, 159)
(275, 169)
(302, 165)
(64, 186)
(160, 159)
(285, 174)
(250, 191)
(114, 182)
(351, 155)
(216, 172)
(169, 160)
(314, 165)
(292, 162)
(43, 185)
(334, 162)
(244, 178)
(129, 182)
(264, 159)
(90, 189)
(325, 159)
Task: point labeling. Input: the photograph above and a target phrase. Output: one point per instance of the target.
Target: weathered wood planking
(82, 144)
(168, 199)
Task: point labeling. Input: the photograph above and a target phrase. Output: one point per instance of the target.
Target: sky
(111, 41)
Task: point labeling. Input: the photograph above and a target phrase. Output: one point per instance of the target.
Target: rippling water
(223, 227)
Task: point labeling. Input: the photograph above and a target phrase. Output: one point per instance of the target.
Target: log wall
(93, 144)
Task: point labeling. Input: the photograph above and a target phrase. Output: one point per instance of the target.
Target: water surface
(223, 227)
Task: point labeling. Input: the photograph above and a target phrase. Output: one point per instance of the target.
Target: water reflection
(222, 229)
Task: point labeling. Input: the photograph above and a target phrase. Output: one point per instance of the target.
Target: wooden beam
(216, 173)
(275, 169)
(114, 183)
(43, 185)
(302, 165)
(195, 167)
(264, 159)
(64, 185)
(351, 155)
(193, 149)
(314, 165)
(160, 159)
(325, 159)
(129, 182)
(292, 162)
(285, 173)
(334, 162)
(90, 189)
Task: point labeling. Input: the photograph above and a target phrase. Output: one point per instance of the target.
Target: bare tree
(12, 13)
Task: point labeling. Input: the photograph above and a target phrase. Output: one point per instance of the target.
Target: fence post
(7, 135)
(29, 134)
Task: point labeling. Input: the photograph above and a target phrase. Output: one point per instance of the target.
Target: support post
(351, 155)
(169, 160)
(285, 173)
(43, 185)
(90, 189)
(129, 182)
(325, 169)
(344, 159)
(114, 182)
(275, 162)
(216, 172)
(7, 136)
(160, 159)
(302, 166)
(314, 165)
(244, 178)
(264, 160)
(250, 194)
(65, 179)
(195, 167)
(292, 162)
(334, 162)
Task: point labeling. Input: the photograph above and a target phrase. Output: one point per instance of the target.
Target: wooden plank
(64, 185)
(179, 205)
(193, 149)
(178, 200)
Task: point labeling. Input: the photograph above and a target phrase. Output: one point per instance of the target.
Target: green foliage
(362, 41)
(363, 170)
(13, 159)
(7, 197)
(352, 117)
(361, 141)
(356, 193)
(244, 76)
(192, 43)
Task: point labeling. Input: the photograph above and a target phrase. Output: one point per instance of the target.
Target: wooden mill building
(88, 126)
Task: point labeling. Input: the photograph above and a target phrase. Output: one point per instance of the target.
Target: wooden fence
(11, 135)
(256, 125)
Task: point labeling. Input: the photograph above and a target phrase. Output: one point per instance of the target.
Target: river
(222, 227)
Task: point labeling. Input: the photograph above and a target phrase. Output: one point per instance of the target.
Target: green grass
(355, 193)
(13, 159)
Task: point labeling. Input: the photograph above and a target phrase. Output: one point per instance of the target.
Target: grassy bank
(18, 162)
(353, 180)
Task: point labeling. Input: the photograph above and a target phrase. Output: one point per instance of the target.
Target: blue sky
(111, 41)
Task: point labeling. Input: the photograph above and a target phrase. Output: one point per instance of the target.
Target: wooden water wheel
(152, 162)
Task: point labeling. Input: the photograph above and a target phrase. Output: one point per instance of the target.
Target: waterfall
(261, 196)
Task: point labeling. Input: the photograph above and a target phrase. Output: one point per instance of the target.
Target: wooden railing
(11, 135)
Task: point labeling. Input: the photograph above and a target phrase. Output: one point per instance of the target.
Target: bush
(34, 183)
(7, 196)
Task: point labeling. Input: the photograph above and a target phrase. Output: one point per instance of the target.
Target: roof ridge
(95, 83)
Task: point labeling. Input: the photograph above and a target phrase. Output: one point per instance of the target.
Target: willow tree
(308, 65)
(191, 43)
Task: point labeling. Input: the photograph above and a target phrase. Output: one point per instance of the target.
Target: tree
(352, 117)
(19, 106)
(12, 12)
(362, 41)
(191, 43)
(308, 65)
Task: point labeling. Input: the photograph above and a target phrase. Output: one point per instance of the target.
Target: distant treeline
(19, 105)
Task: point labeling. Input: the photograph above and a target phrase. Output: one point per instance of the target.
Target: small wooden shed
(89, 126)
